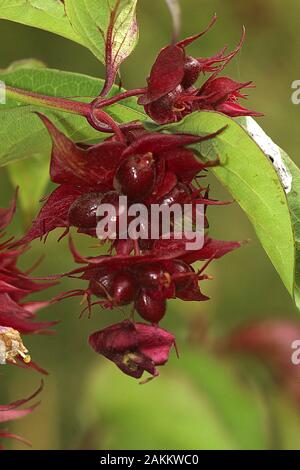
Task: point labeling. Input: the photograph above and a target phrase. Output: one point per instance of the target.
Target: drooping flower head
(134, 347)
(171, 93)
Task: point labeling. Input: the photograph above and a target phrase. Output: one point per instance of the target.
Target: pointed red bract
(11, 412)
(166, 74)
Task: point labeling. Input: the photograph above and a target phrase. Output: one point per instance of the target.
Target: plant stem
(101, 102)
(62, 104)
(94, 115)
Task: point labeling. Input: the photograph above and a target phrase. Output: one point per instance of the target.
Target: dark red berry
(124, 289)
(180, 194)
(112, 198)
(152, 275)
(135, 177)
(102, 287)
(119, 288)
(150, 305)
(82, 212)
(191, 72)
(164, 109)
(181, 274)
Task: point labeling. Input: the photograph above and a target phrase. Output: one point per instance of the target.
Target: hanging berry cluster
(150, 168)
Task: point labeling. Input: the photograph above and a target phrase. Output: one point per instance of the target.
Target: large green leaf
(254, 183)
(91, 20)
(22, 134)
(49, 15)
(82, 21)
(289, 174)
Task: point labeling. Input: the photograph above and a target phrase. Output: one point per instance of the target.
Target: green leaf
(289, 173)
(254, 183)
(48, 15)
(22, 134)
(294, 205)
(91, 20)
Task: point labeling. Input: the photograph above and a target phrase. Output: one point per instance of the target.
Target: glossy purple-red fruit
(164, 109)
(150, 305)
(191, 72)
(82, 212)
(103, 286)
(181, 274)
(135, 177)
(123, 288)
(112, 198)
(152, 275)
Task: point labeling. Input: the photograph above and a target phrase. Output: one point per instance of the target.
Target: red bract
(11, 412)
(86, 175)
(170, 92)
(134, 347)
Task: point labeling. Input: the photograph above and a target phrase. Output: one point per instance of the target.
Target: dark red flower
(171, 94)
(134, 347)
(86, 175)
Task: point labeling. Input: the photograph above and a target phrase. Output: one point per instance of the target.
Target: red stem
(101, 103)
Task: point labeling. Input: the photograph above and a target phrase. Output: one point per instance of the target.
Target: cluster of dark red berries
(149, 168)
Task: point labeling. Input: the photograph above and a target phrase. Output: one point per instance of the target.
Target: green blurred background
(200, 401)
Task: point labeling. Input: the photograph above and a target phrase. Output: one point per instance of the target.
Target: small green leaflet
(254, 183)
(83, 21)
(91, 20)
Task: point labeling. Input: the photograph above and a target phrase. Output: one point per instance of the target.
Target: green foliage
(91, 19)
(44, 14)
(82, 21)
